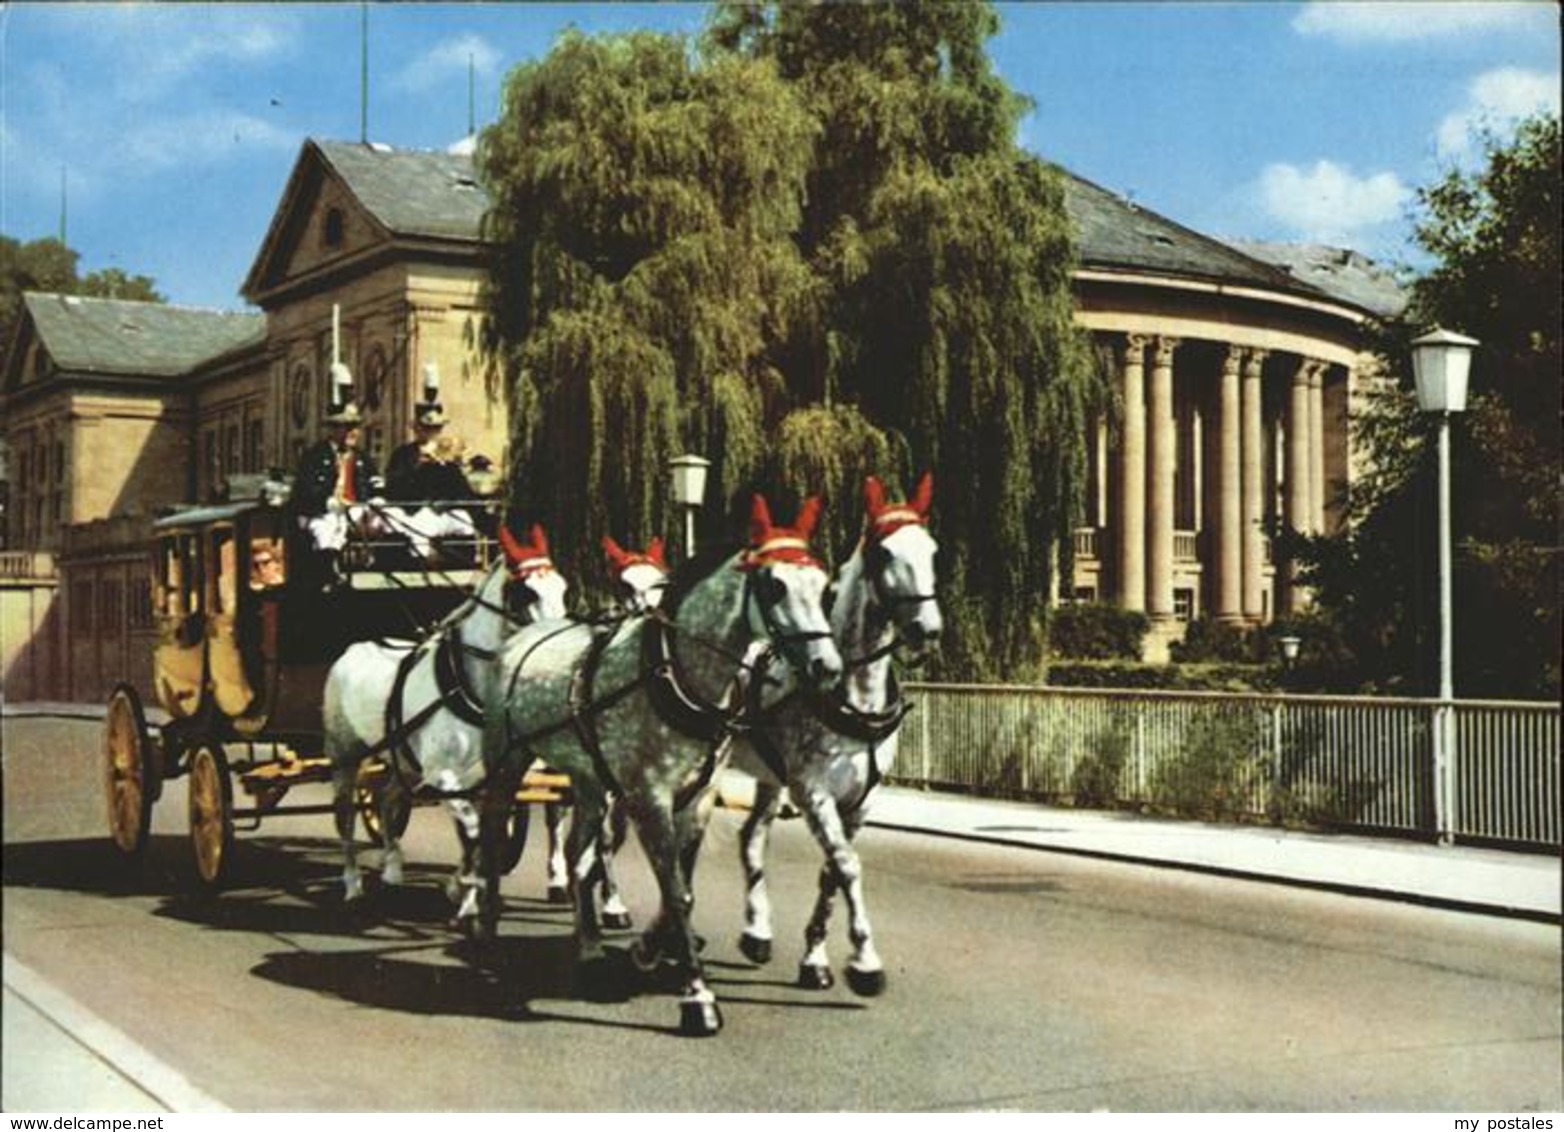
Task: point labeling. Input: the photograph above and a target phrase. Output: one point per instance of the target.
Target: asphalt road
(1018, 980)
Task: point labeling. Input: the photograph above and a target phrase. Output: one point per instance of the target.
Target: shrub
(1091, 631)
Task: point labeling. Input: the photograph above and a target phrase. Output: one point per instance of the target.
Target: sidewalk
(1492, 881)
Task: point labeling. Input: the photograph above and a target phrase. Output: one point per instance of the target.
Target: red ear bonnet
(769, 543)
(615, 552)
(885, 519)
(808, 516)
(654, 551)
(539, 540)
(514, 551)
(873, 497)
(759, 520)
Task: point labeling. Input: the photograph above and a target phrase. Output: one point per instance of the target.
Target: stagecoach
(248, 625)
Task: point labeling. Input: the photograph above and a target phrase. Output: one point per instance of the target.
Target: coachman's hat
(345, 415)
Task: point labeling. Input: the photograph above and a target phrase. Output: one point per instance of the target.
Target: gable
(319, 224)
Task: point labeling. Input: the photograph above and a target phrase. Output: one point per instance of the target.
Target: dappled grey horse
(830, 751)
(646, 711)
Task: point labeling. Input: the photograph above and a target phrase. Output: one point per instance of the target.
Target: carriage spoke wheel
(366, 797)
(211, 813)
(130, 771)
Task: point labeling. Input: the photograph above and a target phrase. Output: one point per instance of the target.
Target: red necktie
(347, 478)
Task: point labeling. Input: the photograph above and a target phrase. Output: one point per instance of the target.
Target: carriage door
(225, 665)
(179, 661)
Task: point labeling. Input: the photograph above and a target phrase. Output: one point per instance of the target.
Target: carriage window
(192, 599)
(266, 563)
(224, 587)
(165, 580)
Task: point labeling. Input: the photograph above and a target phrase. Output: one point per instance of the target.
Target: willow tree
(644, 274)
(942, 256)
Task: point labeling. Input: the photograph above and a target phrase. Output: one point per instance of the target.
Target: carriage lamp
(341, 384)
(689, 492)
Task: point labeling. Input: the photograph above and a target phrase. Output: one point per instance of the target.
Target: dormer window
(332, 230)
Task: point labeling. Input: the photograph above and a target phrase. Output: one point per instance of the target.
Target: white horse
(643, 578)
(645, 711)
(830, 752)
(420, 704)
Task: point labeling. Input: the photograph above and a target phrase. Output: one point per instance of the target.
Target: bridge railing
(1476, 770)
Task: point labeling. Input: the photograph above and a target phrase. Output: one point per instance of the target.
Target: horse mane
(686, 575)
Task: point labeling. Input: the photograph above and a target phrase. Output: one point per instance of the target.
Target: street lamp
(1441, 361)
(1289, 644)
(689, 492)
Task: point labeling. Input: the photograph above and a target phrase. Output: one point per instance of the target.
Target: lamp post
(1441, 362)
(1289, 645)
(689, 492)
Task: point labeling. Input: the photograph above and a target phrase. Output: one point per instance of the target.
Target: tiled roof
(1114, 233)
(412, 192)
(429, 193)
(1339, 272)
(119, 336)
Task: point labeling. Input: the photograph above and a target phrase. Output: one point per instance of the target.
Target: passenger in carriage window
(266, 570)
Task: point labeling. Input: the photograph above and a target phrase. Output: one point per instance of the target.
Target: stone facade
(1236, 380)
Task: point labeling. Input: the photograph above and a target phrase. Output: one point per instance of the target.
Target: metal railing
(24, 565)
(1475, 770)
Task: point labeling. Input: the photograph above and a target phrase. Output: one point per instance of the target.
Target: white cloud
(445, 60)
(1396, 21)
(1495, 100)
(1328, 203)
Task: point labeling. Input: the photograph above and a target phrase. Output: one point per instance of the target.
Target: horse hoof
(811, 977)
(866, 984)
(645, 957)
(617, 921)
(755, 949)
(699, 1019)
(558, 894)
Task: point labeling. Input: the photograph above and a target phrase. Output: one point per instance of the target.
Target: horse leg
(698, 1012)
(392, 796)
(463, 887)
(865, 971)
(755, 942)
(615, 915)
(344, 780)
(593, 971)
(558, 874)
(497, 801)
(842, 870)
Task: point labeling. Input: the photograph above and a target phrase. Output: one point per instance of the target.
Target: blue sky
(177, 124)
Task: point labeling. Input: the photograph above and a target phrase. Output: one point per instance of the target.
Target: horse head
(787, 586)
(898, 553)
(642, 577)
(535, 590)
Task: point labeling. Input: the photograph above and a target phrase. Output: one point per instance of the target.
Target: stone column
(1317, 448)
(1227, 529)
(1129, 538)
(1163, 433)
(1300, 478)
(1252, 471)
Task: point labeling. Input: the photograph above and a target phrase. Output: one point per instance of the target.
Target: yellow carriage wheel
(130, 771)
(211, 813)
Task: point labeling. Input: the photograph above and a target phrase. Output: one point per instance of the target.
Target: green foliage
(819, 239)
(1495, 237)
(1220, 766)
(1218, 677)
(1092, 631)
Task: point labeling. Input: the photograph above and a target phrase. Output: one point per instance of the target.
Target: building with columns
(1237, 368)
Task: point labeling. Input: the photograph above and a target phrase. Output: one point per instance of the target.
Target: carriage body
(244, 648)
(248, 626)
